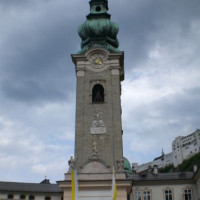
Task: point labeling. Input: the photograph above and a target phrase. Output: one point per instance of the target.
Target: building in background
(30, 191)
(183, 147)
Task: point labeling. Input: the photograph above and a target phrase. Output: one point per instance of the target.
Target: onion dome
(127, 166)
(98, 30)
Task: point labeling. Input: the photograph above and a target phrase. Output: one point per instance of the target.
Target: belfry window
(98, 94)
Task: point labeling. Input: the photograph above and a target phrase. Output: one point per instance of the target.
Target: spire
(98, 30)
(163, 155)
(163, 152)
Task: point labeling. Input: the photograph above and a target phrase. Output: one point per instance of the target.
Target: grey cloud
(193, 91)
(30, 91)
(13, 3)
(143, 23)
(184, 107)
(41, 52)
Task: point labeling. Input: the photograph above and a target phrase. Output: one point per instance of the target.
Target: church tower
(99, 71)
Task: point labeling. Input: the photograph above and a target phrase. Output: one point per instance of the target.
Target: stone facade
(98, 122)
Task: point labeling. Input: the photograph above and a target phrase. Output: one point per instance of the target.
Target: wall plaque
(98, 125)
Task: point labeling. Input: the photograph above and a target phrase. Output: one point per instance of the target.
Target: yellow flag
(74, 185)
(114, 187)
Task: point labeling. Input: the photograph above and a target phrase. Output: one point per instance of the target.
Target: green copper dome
(127, 166)
(98, 30)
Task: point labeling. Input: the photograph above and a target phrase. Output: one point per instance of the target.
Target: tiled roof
(29, 187)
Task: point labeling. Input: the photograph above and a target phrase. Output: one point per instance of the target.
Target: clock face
(97, 61)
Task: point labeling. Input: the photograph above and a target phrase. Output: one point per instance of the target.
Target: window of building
(142, 195)
(31, 197)
(137, 195)
(98, 94)
(22, 197)
(187, 194)
(10, 196)
(146, 195)
(168, 195)
(47, 198)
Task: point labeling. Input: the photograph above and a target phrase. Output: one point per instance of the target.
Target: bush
(187, 165)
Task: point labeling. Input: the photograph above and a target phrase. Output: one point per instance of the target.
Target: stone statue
(72, 163)
(120, 165)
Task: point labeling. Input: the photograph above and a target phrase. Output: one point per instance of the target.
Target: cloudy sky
(160, 94)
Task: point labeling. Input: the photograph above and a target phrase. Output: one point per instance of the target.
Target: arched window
(31, 197)
(98, 94)
(47, 198)
(10, 196)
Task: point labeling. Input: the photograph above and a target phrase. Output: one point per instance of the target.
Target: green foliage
(187, 165)
(167, 168)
